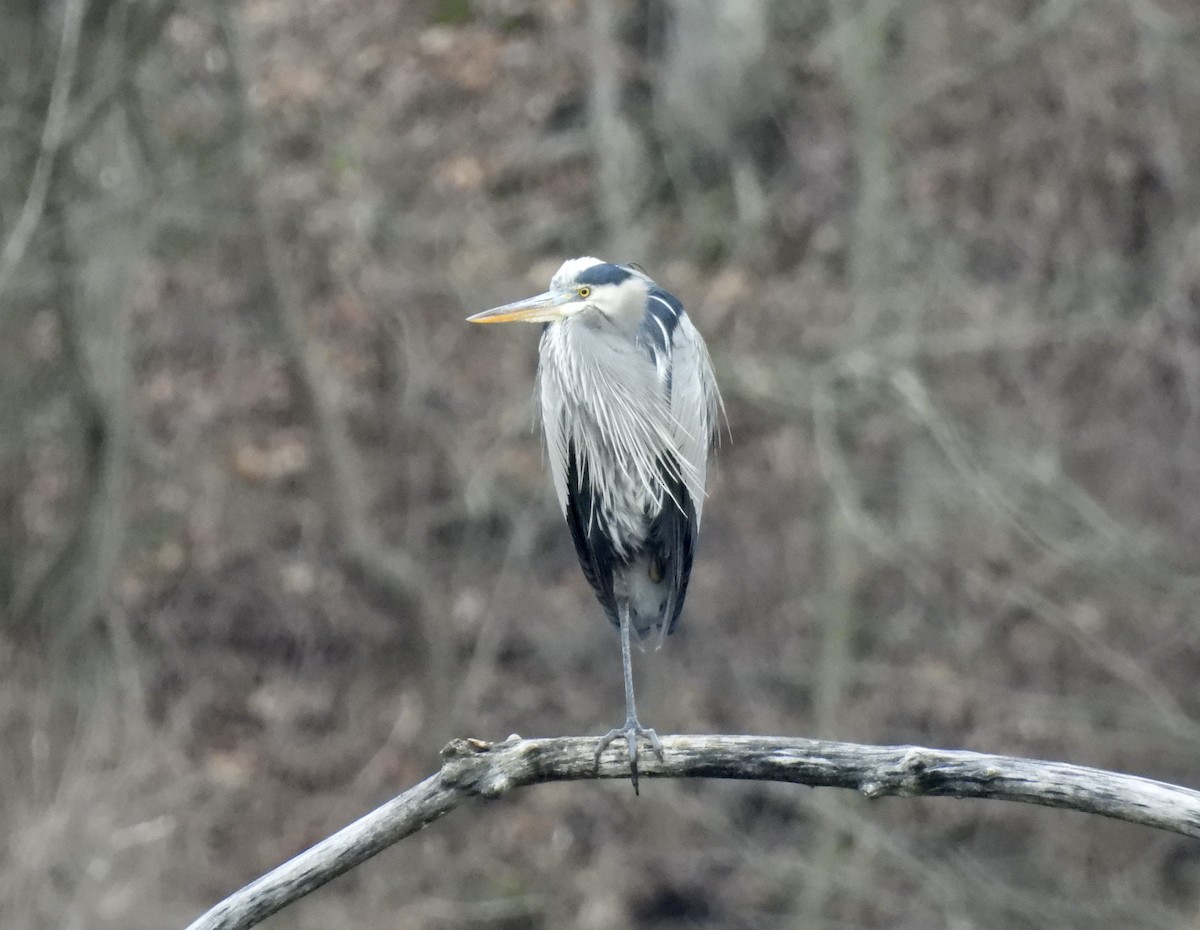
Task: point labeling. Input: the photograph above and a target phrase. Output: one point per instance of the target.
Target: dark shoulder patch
(663, 311)
(603, 273)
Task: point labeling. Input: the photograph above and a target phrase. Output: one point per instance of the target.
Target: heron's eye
(584, 292)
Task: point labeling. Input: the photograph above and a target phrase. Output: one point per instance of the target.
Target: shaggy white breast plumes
(629, 408)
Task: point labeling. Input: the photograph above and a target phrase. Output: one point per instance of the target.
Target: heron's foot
(630, 732)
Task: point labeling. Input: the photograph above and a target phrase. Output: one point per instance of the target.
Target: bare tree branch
(30, 601)
(95, 321)
(52, 132)
(389, 567)
(473, 768)
(113, 87)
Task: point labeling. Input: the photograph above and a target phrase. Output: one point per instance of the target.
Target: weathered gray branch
(473, 768)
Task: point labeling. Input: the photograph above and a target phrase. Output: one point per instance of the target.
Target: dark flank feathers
(665, 554)
(672, 543)
(596, 554)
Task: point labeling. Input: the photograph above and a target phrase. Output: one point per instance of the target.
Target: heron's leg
(632, 728)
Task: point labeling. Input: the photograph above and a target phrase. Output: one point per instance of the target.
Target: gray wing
(695, 403)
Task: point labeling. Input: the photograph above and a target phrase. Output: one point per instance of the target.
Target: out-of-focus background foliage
(274, 525)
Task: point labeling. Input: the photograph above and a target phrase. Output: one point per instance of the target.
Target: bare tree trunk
(386, 567)
(711, 88)
(861, 53)
(621, 165)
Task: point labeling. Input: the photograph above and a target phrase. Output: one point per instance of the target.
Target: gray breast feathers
(636, 431)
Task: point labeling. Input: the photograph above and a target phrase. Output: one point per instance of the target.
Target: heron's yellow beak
(544, 308)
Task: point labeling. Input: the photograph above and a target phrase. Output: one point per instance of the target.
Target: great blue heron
(629, 409)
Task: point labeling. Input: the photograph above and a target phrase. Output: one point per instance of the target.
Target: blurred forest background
(274, 525)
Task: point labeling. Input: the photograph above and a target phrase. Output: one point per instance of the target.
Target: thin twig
(387, 566)
(477, 769)
(52, 134)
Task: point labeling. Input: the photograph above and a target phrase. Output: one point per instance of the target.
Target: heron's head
(583, 287)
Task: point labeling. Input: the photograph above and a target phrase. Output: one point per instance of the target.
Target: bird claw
(630, 732)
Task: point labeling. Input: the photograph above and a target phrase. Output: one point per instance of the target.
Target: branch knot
(468, 765)
(907, 778)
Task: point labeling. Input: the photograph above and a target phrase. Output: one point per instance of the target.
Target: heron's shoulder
(664, 314)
